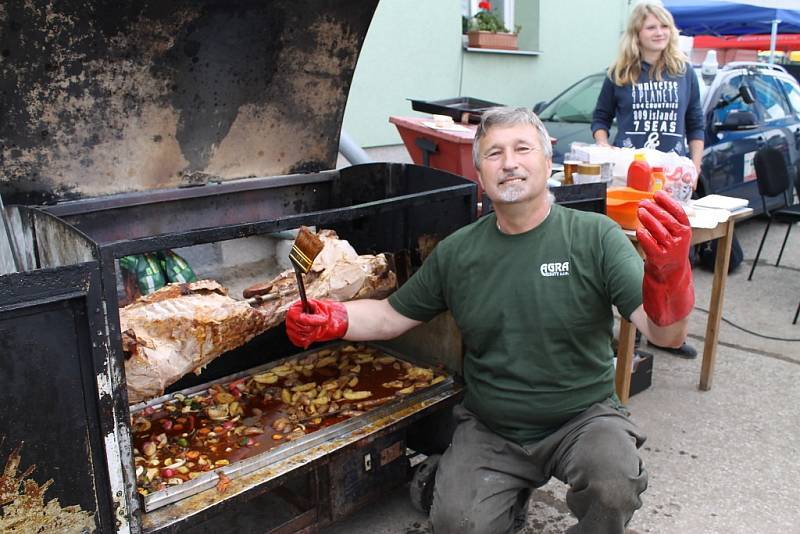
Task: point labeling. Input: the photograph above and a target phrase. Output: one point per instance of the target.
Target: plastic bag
(680, 177)
(680, 174)
(679, 171)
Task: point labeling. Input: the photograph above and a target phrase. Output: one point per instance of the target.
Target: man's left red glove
(327, 321)
(665, 237)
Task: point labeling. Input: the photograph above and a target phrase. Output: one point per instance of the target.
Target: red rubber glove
(328, 321)
(665, 237)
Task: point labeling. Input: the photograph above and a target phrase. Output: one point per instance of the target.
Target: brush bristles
(306, 248)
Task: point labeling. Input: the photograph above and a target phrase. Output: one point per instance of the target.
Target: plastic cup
(570, 168)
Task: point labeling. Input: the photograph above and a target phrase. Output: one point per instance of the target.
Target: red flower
(485, 5)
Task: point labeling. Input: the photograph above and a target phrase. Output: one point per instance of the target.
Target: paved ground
(722, 461)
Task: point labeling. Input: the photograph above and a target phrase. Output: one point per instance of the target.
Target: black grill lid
(100, 97)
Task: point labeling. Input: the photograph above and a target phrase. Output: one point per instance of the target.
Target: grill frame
(377, 207)
(112, 110)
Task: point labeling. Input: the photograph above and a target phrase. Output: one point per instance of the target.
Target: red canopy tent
(784, 42)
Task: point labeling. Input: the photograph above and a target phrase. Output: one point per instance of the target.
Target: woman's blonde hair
(629, 63)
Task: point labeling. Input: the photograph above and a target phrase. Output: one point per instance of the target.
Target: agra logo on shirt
(558, 268)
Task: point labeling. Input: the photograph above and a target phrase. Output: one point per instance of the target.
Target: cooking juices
(187, 435)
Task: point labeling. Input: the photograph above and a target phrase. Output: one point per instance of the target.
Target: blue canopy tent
(736, 17)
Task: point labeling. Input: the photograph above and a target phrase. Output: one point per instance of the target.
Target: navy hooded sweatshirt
(652, 114)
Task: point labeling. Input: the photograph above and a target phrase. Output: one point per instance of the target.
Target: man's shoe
(684, 351)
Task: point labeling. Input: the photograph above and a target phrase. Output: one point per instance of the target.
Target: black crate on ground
(642, 373)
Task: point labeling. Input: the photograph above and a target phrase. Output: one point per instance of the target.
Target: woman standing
(654, 93)
(651, 89)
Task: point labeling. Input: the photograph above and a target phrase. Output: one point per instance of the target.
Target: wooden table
(627, 331)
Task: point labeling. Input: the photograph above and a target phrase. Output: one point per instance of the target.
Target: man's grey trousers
(482, 475)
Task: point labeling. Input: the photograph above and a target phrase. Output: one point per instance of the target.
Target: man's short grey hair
(508, 116)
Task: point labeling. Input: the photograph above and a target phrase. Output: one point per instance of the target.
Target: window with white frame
(518, 17)
(504, 9)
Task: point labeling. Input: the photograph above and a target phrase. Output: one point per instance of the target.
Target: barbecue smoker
(203, 127)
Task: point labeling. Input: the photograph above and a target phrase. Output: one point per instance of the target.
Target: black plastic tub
(461, 109)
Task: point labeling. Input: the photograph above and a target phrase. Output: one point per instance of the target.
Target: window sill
(507, 52)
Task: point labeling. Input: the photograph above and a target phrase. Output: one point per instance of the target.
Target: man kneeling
(531, 288)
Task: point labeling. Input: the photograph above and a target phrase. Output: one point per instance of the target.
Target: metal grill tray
(454, 107)
(209, 479)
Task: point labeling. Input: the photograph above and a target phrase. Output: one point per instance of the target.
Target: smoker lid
(98, 97)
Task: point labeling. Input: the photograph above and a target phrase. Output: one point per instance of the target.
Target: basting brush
(305, 249)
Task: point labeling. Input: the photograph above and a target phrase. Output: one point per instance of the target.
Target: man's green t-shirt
(535, 313)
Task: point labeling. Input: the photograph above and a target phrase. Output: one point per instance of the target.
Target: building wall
(413, 51)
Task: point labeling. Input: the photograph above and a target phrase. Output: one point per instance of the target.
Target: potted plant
(486, 30)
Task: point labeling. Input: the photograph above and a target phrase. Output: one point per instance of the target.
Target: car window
(793, 93)
(769, 97)
(577, 103)
(729, 92)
